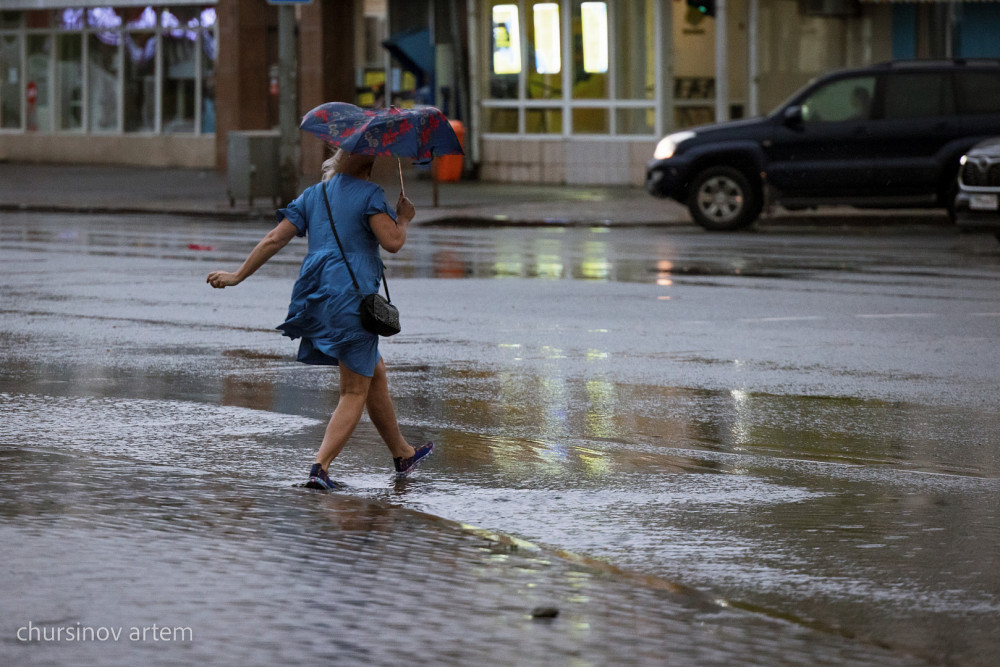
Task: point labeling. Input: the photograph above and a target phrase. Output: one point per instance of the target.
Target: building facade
(563, 91)
(159, 84)
(130, 83)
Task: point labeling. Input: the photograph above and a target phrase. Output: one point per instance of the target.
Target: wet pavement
(773, 448)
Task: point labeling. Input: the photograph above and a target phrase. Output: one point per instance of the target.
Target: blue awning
(413, 49)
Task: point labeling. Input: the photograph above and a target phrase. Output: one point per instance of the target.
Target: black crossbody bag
(378, 315)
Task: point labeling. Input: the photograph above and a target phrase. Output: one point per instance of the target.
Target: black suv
(889, 135)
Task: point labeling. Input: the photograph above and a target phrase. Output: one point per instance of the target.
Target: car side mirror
(793, 117)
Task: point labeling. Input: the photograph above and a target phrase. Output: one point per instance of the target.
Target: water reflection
(773, 500)
(849, 515)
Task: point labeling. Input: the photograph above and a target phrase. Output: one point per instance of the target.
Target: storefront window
(103, 18)
(102, 72)
(208, 54)
(590, 50)
(39, 62)
(635, 74)
(543, 121)
(545, 64)
(10, 20)
(108, 69)
(590, 121)
(69, 82)
(502, 121)
(140, 81)
(505, 51)
(39, 18)
(10, 82)
(71, 19)
(180, 55)
(564, 57)
(594, 31)
(545, 25)
(506, 40)
(636, 121)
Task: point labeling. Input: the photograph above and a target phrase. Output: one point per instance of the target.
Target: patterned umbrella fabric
(420, 134)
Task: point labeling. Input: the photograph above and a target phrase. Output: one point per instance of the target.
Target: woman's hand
(404, 208)
(220, 279)
(275, 240)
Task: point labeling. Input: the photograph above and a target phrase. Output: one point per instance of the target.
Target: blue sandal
(318, 479)
(405, 466)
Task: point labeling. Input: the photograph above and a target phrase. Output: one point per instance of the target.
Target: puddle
(795, 428)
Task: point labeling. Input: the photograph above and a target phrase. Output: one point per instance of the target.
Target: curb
(134, 210)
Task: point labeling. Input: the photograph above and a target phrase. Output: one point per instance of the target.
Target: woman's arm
(275, 240)
(392, 235)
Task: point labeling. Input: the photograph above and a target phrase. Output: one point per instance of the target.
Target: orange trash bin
(448, 168)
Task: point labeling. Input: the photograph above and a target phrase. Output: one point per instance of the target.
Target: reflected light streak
(595, 264)
(740, 429)
(595, 464)
(550, 266)
(600, 416)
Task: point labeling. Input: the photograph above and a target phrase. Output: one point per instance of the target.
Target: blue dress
(325, 307)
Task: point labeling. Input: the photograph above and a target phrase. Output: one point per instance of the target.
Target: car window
(918, 95)
(841, 100)
(978, 92)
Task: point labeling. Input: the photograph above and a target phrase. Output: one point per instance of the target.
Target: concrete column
(288, 107)
(721, 62)
(328, 33)
(247, 48)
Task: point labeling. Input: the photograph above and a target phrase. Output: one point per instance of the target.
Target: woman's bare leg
(383, 415)
(354, 390)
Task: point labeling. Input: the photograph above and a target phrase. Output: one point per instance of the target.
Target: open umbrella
(420, 134)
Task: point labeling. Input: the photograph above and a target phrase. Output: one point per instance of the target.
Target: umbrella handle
(399, 163)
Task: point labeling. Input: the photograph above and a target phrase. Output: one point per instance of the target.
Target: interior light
(594, 20)
(548, 58)
(506, 40)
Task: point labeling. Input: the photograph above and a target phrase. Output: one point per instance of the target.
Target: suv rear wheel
(722, 199)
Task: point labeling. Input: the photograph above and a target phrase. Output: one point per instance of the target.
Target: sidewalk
(113, 189)
(122, 189)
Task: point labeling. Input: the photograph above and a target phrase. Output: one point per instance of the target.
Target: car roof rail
(938, 62)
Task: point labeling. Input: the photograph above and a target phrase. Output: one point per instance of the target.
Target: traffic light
(706, 7)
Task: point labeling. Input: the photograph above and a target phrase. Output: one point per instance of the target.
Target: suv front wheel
(722, 199)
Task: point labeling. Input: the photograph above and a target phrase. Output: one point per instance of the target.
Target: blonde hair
(343, 162)
(331, 164)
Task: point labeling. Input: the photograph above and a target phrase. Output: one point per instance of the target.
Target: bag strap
(343, 254)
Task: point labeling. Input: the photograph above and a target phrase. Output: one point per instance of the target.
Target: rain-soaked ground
(700, 449)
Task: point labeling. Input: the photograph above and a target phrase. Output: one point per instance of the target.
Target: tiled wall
(163, 150)
(575, 162)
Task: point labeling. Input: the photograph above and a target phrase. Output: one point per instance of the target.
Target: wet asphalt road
(705, 447)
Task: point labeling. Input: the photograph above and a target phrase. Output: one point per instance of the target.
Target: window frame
(55, 33)
(568, 105)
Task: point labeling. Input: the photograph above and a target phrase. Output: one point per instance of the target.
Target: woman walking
(325, 305)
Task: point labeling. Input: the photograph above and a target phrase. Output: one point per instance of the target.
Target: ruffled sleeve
(296, 213)
(378, 204)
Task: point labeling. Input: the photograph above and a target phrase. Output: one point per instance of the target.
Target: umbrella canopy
(420, 134)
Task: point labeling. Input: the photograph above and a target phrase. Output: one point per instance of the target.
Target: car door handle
(861, 131)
